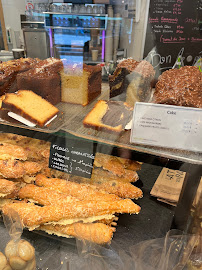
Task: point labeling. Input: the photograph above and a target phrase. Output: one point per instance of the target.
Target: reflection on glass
(1, 39)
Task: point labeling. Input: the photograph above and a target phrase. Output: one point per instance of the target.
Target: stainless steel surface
(37, 43)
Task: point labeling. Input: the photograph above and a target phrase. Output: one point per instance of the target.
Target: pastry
(121, 189)
(43, 79)
(99, 174)
(180, 87)
(118, 166)
(5, 201)
(9, 71)
(98, 233)
(134, 79)
(17, 263)
(32, 216)
(110, 116)
(18, 169)
(8, 189)
(44, 196)
(3, 261)
(11, 138)
(10, 151)
(81, 85)
(25, 250)
(30, 106)
(80, 191)
(20, 254)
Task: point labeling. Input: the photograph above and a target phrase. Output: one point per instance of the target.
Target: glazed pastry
(25, 250)
(17, 263)
(20, 254)
(11, 249)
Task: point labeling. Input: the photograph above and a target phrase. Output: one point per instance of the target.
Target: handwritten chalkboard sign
(174, 29)
(72, 156)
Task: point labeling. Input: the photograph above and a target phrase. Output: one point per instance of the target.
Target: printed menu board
(174, 32)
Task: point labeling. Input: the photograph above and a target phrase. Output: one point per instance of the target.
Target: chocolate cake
(180, 87)
(9, 71)
(81, 85)
(43, 79)
(109, 116)
(132, 78)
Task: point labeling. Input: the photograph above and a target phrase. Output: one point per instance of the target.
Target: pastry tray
(130, 229)
(67, 113)
(54, 126)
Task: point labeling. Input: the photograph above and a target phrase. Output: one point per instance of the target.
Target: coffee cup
(94, 55)
(18, 53)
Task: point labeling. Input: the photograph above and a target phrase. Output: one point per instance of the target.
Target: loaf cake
(43, 79)
(180, 87)
(30, 106)
(80, 85)
(109, 116)
(9, 71)
(132, 78)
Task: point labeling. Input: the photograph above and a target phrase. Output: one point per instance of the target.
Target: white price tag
(167, 126)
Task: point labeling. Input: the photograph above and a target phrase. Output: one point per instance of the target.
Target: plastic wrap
(172, 252)
(19, 254)
(132, 81)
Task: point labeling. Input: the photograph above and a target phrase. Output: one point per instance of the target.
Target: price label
(72, 156)
(167, 126)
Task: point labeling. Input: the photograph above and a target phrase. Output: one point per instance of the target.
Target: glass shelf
(74, 28)
(75, 14)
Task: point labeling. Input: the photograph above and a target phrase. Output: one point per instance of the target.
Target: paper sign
(167, 126)
(72, 156)
(168, 186)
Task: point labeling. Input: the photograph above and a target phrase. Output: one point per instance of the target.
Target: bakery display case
(95, 171)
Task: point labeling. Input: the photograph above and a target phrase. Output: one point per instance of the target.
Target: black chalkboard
(72, 156)
(174, 29)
